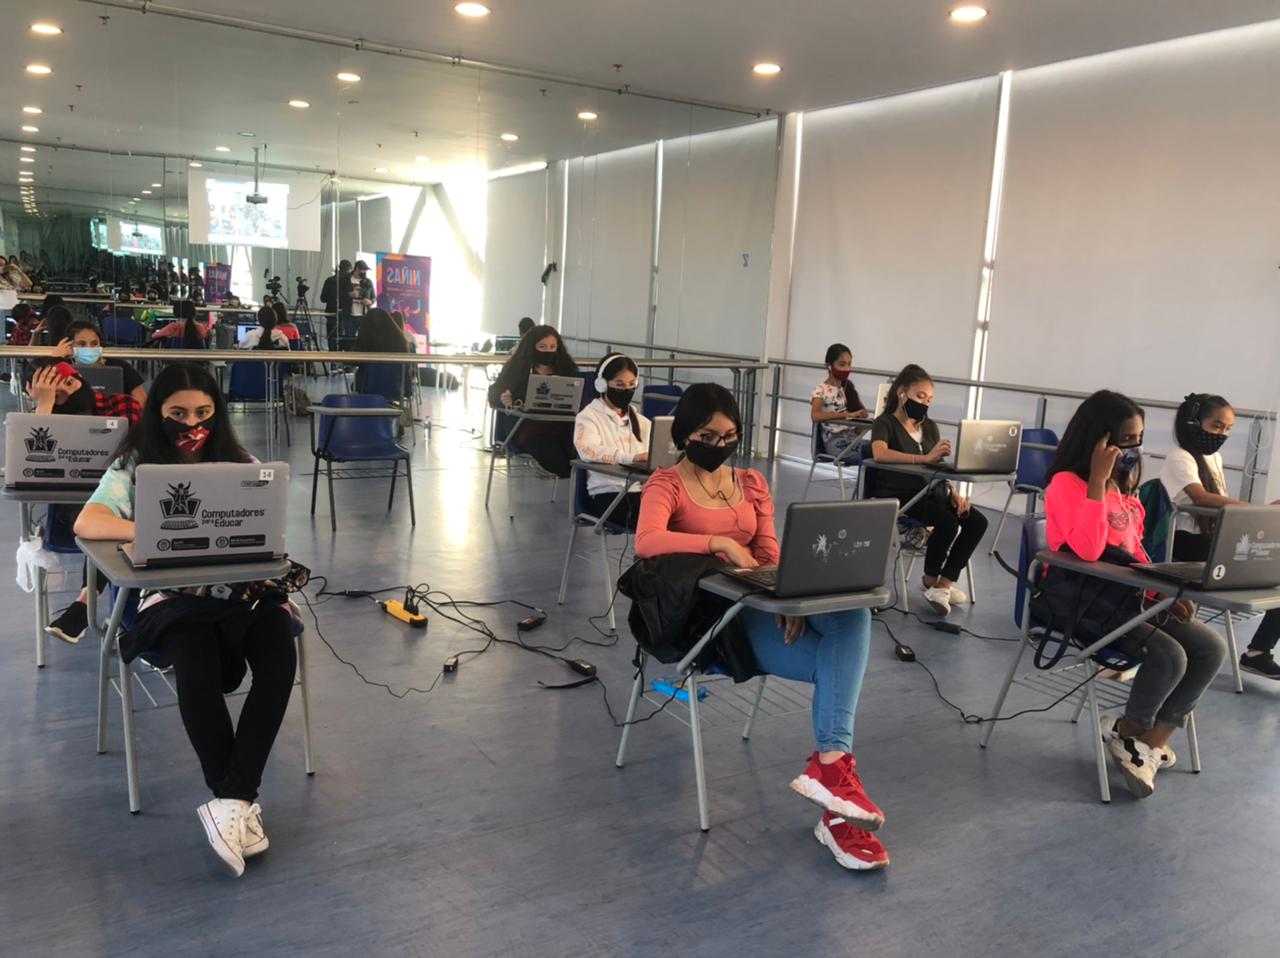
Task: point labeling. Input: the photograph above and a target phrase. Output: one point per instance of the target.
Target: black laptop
(1245, 553)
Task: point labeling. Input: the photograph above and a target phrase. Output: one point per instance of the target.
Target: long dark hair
(1195, 409)
(282, 312)
(56, 320)
(616, 364)
(910, 375)
(1102, 413)
(185, 310)
(852, 402)
(146, 441)
(697, 405)
(515, 373)
(379, 333)
(267, 320)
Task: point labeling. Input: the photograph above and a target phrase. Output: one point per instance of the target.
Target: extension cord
(397, 611)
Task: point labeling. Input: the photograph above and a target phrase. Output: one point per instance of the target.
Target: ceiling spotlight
(27, 149)
(156, 186)
(33, 110)
(379, 169)
(27, 159)
(46, 29)
(968, 14)
(471, 9)
(299, 104)
(195, 164)
(136, 199)
(588, 115)
(39, 69)
(146, 192)
(422, 159)
(30, 129)
(246, 133)
(508, 137)
(766, 69)
(223, 149)
(349, 77)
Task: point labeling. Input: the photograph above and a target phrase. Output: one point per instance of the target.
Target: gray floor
(487, 818)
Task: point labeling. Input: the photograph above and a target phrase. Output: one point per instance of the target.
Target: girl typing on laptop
(209, 636)
(610, 430)
(541, 352)
(703, 505)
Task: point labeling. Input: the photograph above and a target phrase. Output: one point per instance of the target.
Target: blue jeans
(831, 655)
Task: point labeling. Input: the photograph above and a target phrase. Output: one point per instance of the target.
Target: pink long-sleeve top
(670, 521)
(1087, 525)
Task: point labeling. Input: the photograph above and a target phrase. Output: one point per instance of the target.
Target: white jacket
(601, 435)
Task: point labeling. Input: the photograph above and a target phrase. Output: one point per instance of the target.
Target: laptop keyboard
(763, 577)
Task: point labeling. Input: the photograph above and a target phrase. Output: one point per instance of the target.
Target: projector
(257, 199)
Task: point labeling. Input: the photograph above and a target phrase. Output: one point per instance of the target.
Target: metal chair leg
(1099, 750)
(840, 479)
(1193, 743)
(1234, 652)
(104, 659)
(755, 707)
(391, 494)
(315, 482)
(333, 510)
(812, 466)
(568, 557)
(699, 769)
(130, 741)
(306, 705)
(973, 589)
(636, 686)
(608, 581)
(1004, 691)
(488, 489)
(42, 615)
(1004, 514)
(408, 479)
(1075, 716)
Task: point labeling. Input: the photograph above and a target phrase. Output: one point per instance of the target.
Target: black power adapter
(582, 667)
(531, 622)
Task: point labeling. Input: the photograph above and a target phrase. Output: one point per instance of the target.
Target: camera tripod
(309, 340)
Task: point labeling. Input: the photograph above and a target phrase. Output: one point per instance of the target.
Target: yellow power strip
(397, 610)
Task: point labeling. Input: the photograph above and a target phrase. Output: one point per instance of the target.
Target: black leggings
(1194, 547)
(209, 663)
(552, 448)
(954, 537)
(625, 514)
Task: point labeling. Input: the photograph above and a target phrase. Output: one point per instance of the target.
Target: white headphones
(602, 384)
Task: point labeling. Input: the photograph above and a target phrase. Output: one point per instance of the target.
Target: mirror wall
(166, 144)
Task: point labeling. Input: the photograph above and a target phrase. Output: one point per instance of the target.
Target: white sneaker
(223, 821)
(254, 841)
(958, 596)
(1138, 763)
(940, 599)
(1108, 724)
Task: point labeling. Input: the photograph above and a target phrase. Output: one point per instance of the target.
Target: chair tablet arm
(348, 411)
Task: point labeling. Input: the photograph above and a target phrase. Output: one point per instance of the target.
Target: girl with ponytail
(836, 402)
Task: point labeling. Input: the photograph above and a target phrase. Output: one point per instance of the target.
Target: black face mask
(190, 439)
(708, 457)
(915, 410)
(1205, 443)
(621, 398)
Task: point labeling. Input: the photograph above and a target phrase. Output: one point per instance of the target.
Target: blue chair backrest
(247, 382)
(381, 379)
(1034, 539)
(59, 534)
(1158, 523)
(580, 502)
(1034, 463)
(350, 437)
(120, 331)
(659, 399)
(588, 388)
(818, 442)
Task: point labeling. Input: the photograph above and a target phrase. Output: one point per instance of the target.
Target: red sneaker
(837, 789)
(853, 848)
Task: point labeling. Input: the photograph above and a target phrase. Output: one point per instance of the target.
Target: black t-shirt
(896, 485)
(132, 378)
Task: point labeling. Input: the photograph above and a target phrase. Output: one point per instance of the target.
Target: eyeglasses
(714, 439)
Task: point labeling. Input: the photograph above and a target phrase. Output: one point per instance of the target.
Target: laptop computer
(554, 394)
(208, 514)
(49, 451)
(506, 344)
(986, 445)
(242, 330)
(829, 547)
(662, 451)
(1244, 554)
(103, 379)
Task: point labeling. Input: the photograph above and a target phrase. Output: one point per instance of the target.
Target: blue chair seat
(357, 439)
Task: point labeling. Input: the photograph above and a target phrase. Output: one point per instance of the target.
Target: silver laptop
(103, 379)
(555, 394)
(986, 445)
(207, 514)
(662, 451)
(830, 547)
(49, 451)
(1244, 554)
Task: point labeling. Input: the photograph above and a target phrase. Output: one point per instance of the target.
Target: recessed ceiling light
(968, 14)
(46, 29)
(379, 169)
(30, 129)
(349, 77)
(246, 133)
(136, 199)
(472, 9)
(422, 159)
(156, 186)
(223, 149)
(588, 115)
(766, 69)
(39, 69)
(509, 137)
(27, 149)
(299, 104)
(33, 110)
(195, 164)
(146, 192)
(27, 159)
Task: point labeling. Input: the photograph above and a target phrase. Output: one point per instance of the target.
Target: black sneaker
(71, 624)
(1260, 663)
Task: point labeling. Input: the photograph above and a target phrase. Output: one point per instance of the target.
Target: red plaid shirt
(117, 406)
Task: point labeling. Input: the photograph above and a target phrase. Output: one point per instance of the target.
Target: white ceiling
(159, 84)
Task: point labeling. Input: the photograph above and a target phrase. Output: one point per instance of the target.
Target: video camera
(273, 283)
(302, 286)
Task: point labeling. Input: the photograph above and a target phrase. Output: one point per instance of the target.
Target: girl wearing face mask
(703, 505)
(836, 402)
(1192, 475)
(1090, 504)
(209, 637)
(83, 346)
(904, 433)
(610, 430)
(541, 352)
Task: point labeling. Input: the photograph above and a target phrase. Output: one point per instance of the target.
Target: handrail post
(773, 412)
(1251, 460)
(1042, 407)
